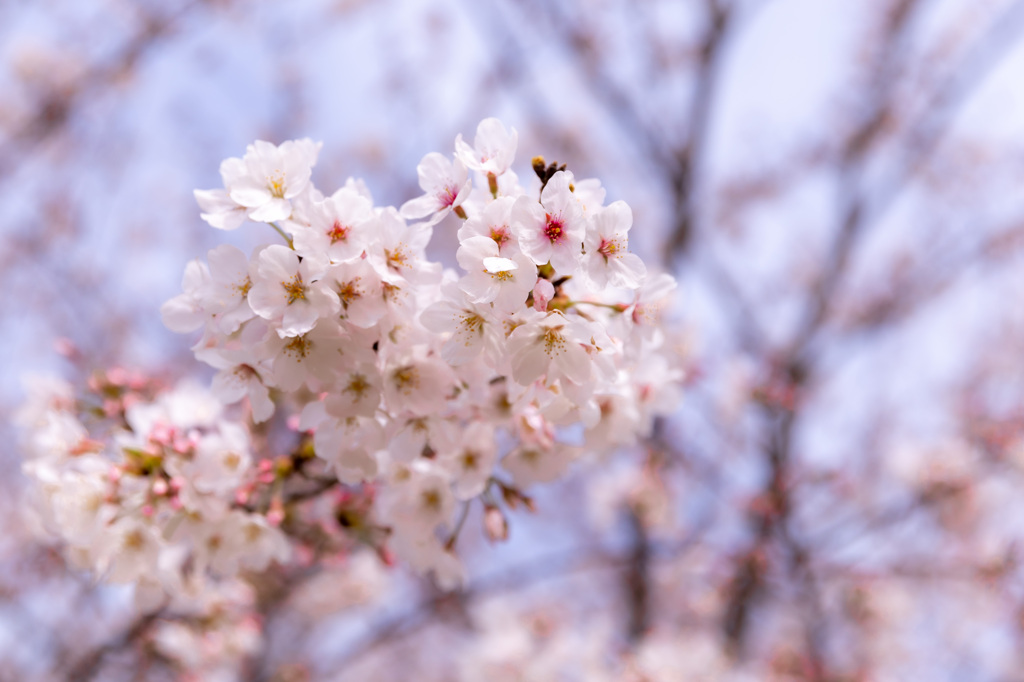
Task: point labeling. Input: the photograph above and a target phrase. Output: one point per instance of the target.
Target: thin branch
(88, 666)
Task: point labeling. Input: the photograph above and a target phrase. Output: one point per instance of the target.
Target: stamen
(275, 183)
(296, 289)
(554, 230)
(338, 232)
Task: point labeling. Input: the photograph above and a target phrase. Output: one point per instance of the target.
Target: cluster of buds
(417, 388)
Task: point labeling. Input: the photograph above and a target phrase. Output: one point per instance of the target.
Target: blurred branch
(56, 107)
(545, 567)
(688, 159)
(909, 293)
(926, 134)
(89, 665)
(638, 580)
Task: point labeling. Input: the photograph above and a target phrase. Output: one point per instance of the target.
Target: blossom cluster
(147, 491)
(411, 390)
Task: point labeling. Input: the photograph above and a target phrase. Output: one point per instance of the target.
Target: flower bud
(495, 524)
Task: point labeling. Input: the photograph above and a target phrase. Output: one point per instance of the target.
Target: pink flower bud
(117, 376)
(162, 434)
(65, 347)
(160, 487)
(495, 524)
(386, 555)
(543, 292)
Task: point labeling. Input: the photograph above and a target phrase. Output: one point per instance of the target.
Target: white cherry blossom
(336, 227)
(551, 231)
(495, 221)
(445, 184)
(287, 292)
(185, 312)
(225, 296)
(493, 278)
(219, 210)
(472, 329)
(608, 263)
(493, 150)
(268, 177)
(472, 461)
(549, 346)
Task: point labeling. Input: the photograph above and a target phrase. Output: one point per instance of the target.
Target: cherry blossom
(268, 177)
(493, 150)
(446, 186)
(553, 230)
(378, 392)
(287, 292)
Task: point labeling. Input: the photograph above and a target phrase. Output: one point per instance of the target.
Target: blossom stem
(450, 545)
(617, 307)
(281, 232)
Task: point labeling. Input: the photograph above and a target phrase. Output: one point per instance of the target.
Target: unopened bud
(495, 524)
(386, 555)
(283, 466)
(543, 292)
(65, 347)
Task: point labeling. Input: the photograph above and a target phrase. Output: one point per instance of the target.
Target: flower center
(298, 347)
(500, 235)
(133, 541)
(609, 248)
(275, 183)
(296, 289)
(472, 322)
(470, 460)
(432, 500)
(338, 232)
(406, 378)
(357, 386)
(553, 340)
(447, 196)
(554, 229)
(253, 533)
(392, 292)
(349, 291)
(397, 259)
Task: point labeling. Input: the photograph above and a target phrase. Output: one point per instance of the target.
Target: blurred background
(835, 184)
